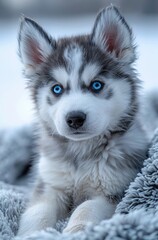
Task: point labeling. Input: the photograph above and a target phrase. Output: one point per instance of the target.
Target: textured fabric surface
(136, 215)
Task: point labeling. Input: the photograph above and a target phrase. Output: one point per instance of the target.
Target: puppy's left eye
(57, 89)
(96, 86)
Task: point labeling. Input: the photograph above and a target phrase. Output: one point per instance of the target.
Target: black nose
(75, 119)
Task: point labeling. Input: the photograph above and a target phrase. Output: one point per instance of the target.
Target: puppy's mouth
(79, 135)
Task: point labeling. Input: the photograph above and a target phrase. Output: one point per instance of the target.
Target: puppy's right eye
(96, 86)
(57, 89)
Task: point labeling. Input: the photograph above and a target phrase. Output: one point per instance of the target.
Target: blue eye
(57, 89)
(96, 86)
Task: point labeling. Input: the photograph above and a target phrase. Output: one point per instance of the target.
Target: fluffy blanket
(136, 216)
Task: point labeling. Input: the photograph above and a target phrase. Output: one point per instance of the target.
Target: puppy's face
(82, 86)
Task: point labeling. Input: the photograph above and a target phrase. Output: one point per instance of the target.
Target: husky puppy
(92, 144)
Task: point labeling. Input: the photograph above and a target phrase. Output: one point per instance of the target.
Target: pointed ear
(35, 45)
(112, 34)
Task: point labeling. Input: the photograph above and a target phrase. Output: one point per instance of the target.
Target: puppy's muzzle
(75, 119)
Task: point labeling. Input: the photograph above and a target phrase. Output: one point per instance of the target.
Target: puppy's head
(82, 86)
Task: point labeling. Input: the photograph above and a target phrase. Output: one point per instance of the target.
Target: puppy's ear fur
(112, 34)
(35, 46)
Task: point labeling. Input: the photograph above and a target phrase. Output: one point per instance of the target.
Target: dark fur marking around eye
(49, 101)
(108, 94)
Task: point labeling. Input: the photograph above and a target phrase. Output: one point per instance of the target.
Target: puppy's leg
(90, 211)
(43, 211)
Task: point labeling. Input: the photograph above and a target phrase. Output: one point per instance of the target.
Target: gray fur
(49, 101)
(40, 188)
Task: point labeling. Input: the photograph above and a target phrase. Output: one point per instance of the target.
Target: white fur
(94, 173)
(90, 211)
(94, 177)
(73, 55)
(60, 75)
(90, 72)
(107, 113)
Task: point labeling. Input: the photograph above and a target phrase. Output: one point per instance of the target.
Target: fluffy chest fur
(86, 169)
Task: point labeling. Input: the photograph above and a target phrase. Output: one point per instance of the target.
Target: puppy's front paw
(74, 229)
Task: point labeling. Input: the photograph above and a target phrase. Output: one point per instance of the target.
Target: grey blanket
(136, 216)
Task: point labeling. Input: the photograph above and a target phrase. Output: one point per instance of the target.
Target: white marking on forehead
(74, 58)
(90, 72)
(60, 75)
(73, 55)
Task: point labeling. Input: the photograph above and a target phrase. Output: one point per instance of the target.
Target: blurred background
(63, 18)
